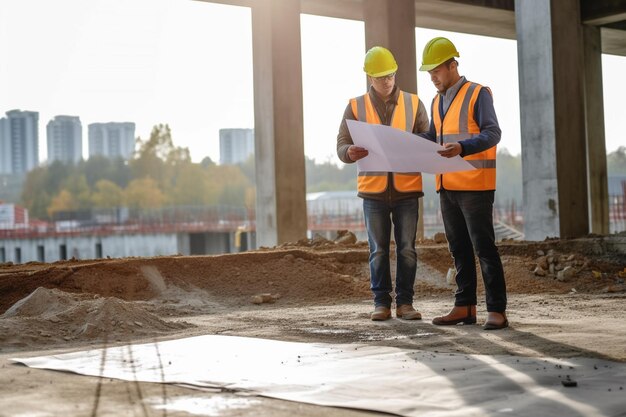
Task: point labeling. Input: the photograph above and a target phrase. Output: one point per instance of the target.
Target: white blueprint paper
(405, 382)
(394, 150)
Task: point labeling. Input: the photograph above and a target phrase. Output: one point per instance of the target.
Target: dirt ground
(314, 291)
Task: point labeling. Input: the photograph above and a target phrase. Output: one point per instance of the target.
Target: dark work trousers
(468, 221)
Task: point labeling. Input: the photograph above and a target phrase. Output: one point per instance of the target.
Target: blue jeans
(468, 221)
(379, 215)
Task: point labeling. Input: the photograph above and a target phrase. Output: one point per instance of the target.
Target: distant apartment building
(65, 139)
(236, 145)
(112, 139)
(19, 142)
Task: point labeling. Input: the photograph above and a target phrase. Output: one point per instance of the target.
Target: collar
(393, 99)
(451, 92)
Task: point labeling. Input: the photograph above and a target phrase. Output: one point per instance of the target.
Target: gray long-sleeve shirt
(385, 112)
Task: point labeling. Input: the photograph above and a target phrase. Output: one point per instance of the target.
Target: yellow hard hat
(379, 62)
(436, 52)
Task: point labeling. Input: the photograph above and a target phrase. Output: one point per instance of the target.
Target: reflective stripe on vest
(459, 124)
(403, 118)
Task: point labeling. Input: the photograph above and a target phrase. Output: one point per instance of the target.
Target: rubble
(562, 267)
(440, 238)
(345, 237)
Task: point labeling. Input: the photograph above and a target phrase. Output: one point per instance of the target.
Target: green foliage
(143, 193)
(329, 177)
(36, 196)
(107, 194)
(161, 174)
(98, 168)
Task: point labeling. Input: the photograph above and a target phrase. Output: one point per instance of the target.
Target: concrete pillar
(278, 122)
(596, 146)
(554, 157)
(391, 23)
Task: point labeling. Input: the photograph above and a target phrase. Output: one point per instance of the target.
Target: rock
(550, 259)
(345, 278)
(542, 262)
(566, 274)
(569, 383)
(440, 237)
(289, 257)
(551, 269)
(571, 257)
(319, 240)
(263, 298)
(540, 252)
(345, 237)
(615, 288)
(539, 271)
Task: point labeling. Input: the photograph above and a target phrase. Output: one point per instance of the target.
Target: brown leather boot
(496, 321)
(381, 313)
(407, 312)
(459, 314)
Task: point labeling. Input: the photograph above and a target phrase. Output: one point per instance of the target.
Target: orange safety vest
(459, 124)
(374, 182)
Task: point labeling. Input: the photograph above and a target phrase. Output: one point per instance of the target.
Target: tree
(107, 194)
(79, 189)
(63, 201)
(329, 177)
(143, 193)
(99, 167)
(189, 187)
(35, 195)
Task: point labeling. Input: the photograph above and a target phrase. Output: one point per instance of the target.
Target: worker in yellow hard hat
(464, 122)
(387, 197)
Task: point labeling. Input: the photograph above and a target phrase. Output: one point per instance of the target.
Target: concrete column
(279, 140)
(391, 23)
(596, 146)
(554, 157)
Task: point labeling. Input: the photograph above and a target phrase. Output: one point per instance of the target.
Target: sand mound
(45, 303)
(49, 316)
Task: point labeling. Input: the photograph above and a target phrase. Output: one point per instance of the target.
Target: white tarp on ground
(393, 380)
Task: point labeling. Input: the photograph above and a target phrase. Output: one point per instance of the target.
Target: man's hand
(356, 152)
(451, 149)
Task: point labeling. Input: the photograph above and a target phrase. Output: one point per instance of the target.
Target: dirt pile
(111, 300)
(51, 316)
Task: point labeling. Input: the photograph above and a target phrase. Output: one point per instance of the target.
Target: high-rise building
(112, 139)
(19, 142)
(65, 139)
(236, 145)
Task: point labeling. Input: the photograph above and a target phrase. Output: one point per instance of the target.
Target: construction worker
(387, 197)
(464, 122)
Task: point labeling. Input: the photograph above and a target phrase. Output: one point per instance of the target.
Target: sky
(189, 64)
